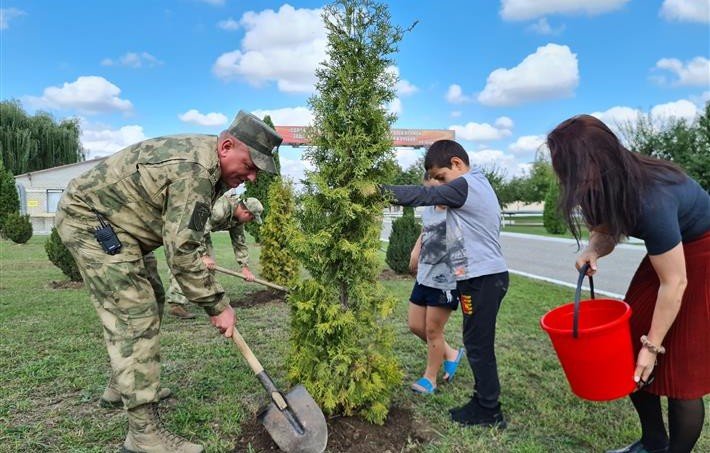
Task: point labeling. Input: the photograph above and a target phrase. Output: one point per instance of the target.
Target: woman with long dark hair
(620, 193)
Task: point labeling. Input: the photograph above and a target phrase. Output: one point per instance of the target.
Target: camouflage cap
(259, 138)
(254, 206)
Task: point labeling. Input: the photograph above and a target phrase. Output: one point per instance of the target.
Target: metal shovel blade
(300, 427)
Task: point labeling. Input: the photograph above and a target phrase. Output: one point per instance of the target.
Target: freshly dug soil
(389, 274)
(400, 433)
(258, 298)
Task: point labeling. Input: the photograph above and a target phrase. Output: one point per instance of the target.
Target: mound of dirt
(258, 298)
(400, 433)
(65, 284)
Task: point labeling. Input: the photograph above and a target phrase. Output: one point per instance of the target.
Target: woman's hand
(645, 362)
(587, 257)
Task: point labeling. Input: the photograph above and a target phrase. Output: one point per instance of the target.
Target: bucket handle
(578, 295)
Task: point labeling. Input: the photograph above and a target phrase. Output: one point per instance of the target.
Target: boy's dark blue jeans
(480, 299)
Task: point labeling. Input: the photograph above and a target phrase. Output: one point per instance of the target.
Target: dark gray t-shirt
(434, 269)
(671, 213)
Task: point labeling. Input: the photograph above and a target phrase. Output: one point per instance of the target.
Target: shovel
(294, 421)
(257, 280)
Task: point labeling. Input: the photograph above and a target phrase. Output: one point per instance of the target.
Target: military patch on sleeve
(199, 216)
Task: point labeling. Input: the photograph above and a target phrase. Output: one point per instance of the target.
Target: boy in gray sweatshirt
(472, 233)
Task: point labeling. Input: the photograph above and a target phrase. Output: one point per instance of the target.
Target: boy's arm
(414, 255)
(452, 194)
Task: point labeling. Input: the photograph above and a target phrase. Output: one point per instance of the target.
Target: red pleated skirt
(684, 371)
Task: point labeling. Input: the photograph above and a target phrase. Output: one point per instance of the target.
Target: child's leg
(436, 318)
(480, 300)
(416, 319)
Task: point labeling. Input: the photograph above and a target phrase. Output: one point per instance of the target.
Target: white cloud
(283, 46)
(455, 95)
(542, 27)
(618, 116)
(701, 99)
(395, 106)
(682, 109)
(294, 169)
(7, 14)
(193, 116)
(693, 72)
(88, 94)
(407, 156)
(403, 87)
(527, 144)
(531, 9)
(133, 60)
(100, 140)
(289, 116)
(549, 73)
(228, 24)
(493, 158)
(484, 132)
(686, 10)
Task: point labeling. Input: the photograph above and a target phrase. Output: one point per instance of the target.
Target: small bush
(551, 217)
(405, 231)
(18, 228)
(59, 255)
(9, 200)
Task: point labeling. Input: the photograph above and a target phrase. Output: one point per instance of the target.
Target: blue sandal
(423, 386)
(450, 366)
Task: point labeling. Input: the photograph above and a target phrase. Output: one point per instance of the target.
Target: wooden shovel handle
(257, 280)
(244, 348)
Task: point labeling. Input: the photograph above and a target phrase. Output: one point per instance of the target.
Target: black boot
(473, 414)
(637, 447)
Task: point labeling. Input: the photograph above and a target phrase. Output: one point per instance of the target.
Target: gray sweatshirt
(472, 225)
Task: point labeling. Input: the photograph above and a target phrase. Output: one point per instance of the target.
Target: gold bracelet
(652, 347)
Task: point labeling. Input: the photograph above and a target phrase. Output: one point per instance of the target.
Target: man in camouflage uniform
(156, 192)
(229, 213)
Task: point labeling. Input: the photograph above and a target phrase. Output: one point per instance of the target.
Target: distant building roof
(96, 161)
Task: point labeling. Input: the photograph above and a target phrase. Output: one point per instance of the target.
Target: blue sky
(500, 73)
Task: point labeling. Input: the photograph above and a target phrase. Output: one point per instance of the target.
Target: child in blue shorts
(434, 297)
(472, 239)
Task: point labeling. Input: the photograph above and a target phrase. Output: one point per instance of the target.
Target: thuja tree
(341, 348)
(405, 231)
(259, 189)
(9, 199)
(278, 263)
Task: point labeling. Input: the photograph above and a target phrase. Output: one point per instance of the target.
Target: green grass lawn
(53, 367)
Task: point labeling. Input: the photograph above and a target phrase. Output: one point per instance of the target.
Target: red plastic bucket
(592, 339)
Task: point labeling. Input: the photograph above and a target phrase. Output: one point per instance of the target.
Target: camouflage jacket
(159, 192)
(221, 219)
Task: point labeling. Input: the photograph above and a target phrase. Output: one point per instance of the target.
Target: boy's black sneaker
(473, 414)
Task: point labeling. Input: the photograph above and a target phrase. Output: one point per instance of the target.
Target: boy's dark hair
(440, 153)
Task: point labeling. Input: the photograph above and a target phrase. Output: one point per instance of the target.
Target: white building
(41, 190)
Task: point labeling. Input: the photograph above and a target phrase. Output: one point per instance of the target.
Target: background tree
(278, 263)
(412, 175)
(341, 348)
(9, 199)
(551, 216)
(259, 189)
(31, 143)
(687, 143)
(59, 255)
(18, 228)
(405, 231)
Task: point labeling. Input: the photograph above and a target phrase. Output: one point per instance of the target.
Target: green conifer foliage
(405, 231)
(259, 189)
(59, 254)
(18, 228)
(278, 263)
(9, 199)
(341, 346)
(551, 217)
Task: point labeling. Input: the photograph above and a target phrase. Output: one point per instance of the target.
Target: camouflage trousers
(128, 297)
(174, 295)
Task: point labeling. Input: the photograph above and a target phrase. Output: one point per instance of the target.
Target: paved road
(553, 259)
